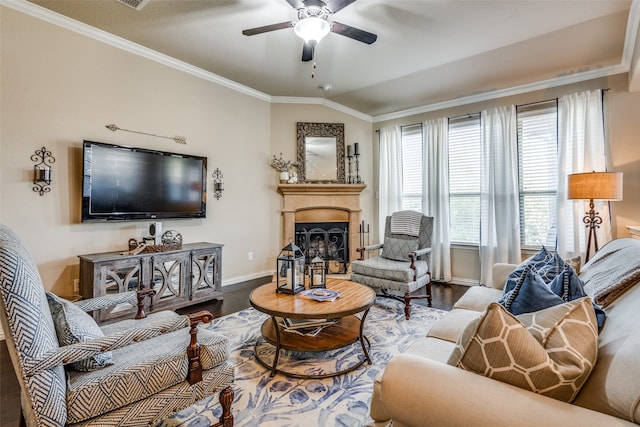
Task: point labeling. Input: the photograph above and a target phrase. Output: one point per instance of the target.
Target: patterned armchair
(130, 373)
(403, 265)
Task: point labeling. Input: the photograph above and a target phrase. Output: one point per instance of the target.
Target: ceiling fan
(313, 24)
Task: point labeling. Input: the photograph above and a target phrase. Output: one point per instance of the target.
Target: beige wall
(59, 88)
(622, 125)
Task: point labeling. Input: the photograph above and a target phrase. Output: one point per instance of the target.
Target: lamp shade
(595, 185)
(312, 28)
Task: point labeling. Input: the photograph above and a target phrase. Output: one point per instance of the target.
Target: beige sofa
(419, 388)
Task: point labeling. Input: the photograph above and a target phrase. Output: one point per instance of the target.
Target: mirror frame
(336, 130)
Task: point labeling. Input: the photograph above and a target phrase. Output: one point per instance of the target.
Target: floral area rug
(279, 401)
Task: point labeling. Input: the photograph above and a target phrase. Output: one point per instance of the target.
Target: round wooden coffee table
(348, 329)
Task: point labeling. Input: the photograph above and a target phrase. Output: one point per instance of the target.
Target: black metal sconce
(42, 170)
(218, 184)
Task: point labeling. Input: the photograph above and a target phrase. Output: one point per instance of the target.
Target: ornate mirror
(321, 152)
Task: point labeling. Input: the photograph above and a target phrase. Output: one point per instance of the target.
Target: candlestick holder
(357, 179)
(42, 170)
(350, 169)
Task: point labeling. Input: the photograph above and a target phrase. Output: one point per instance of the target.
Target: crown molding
(321, 101)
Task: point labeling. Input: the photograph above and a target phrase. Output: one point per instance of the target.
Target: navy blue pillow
(538, 261)
(529, 294)
(568, 286)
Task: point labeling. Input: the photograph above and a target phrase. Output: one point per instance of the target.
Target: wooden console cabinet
(182, 277)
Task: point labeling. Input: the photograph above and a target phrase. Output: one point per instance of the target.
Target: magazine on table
(305, 323)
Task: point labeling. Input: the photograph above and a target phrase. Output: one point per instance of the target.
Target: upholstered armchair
(400, 265)
(129, 373)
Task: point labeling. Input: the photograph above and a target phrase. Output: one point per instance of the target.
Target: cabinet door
(168, 278)
(116, 277)
(206, 274)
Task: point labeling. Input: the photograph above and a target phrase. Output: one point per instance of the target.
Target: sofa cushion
(613, 387)
(73, 326)
(550, 352)
(140, 370)
(477, 298)
(398, 249)
(529, 294)
(452, 324)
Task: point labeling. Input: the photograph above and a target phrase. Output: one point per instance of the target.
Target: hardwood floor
(236, 298)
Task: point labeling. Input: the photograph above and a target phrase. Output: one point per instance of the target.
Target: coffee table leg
(362, 337)
(277, 354)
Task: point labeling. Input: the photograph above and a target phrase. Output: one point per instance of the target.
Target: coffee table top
(355, 298)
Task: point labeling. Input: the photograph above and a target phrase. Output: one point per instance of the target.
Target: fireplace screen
(328, 240)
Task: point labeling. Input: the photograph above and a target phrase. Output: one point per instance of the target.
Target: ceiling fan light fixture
(312, 29)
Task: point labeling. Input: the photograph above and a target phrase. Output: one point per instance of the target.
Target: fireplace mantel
(321, 189)
(321, 203)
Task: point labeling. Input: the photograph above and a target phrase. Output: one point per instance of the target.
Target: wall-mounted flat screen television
(121, 183)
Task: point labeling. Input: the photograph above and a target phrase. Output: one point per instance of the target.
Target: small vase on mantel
(284, 177)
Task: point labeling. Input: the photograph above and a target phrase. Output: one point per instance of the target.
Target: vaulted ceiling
(427, 51)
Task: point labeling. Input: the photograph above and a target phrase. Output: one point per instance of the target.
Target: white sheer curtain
(390, 176)
(499, 197)
(580, 149)
(435, 200)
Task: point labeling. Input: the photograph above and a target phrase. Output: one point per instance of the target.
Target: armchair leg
(226, 398)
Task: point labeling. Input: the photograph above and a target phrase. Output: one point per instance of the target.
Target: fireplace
(334, 205)
(327, 240)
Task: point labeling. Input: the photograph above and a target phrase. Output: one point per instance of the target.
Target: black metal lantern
(317, 273)
(290, 270)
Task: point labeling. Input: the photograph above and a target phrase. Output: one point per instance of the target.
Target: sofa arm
(500, 273)
(415, 391)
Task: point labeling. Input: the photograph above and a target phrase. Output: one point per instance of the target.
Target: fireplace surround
(322, 203)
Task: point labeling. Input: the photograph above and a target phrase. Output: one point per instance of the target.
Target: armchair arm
(413, 256)
(410, 381)
(194, 374)
(362, 250)
(75, 352)
(107, 301)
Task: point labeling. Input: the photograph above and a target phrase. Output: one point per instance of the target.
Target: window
(537, 161)
(464, 179)
(412, 166)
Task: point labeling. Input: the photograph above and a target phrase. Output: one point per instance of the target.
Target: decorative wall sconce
(218, 184)
(42, 170)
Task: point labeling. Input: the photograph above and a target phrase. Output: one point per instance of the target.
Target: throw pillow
(398, 249)
(568, 286)
(73, 326)
(530, 293)
(550, 352)
(538, 261)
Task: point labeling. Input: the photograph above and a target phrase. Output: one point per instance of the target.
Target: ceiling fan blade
(353, 33)
(296, 4)
(307, 50)
(267, 28)
(336, 5)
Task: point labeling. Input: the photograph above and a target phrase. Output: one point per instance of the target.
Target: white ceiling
(427, 52)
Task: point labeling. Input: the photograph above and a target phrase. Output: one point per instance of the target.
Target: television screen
(125, 183)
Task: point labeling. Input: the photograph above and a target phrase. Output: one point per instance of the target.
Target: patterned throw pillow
(538, 261)
(550, 352)
(529, 294)
(398, 249)
(568, 286)
(73, 326)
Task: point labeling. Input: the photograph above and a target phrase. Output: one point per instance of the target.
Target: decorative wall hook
(42, 170)
(178, 139)
(218, 184)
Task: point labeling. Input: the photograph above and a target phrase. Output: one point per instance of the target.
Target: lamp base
(592, 221)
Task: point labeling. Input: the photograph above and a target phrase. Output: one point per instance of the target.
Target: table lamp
(594, 186)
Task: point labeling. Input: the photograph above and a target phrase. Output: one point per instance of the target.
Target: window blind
(412, 166)
(464, 179)
(537, 168)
